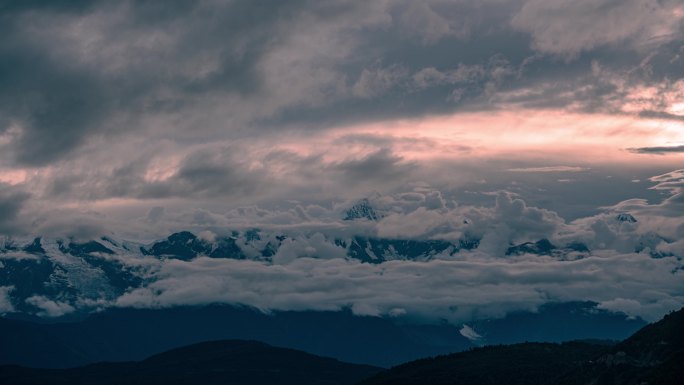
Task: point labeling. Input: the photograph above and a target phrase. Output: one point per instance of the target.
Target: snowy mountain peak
(361, 210)
(625, 217)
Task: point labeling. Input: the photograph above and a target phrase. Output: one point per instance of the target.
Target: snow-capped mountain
(51, 276)
(57, 276)
(361, 210)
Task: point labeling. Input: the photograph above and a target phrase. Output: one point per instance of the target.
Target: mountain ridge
(214, 362)
(124, 334)
(76, 273)
(653, 355)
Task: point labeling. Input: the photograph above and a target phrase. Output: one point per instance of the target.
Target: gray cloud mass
(72, 73)
(454, 119)
(660, 150)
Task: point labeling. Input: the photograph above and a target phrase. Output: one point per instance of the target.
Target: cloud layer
(93, 71)
(502, 258)
(454, 290)
(501, 121)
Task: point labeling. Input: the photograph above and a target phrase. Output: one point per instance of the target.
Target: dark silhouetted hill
(526, 363)
(654, 355)
(220, 362)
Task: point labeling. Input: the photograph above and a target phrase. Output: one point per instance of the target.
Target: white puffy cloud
(469, 333)
(48, 307)
(420, 223)
(512, 221)
(658, 226)
(5, 301)
(314, 245)
(450, 289)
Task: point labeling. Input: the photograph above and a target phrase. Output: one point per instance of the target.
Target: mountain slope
(653, 355)
(218, 362)
(527, 363)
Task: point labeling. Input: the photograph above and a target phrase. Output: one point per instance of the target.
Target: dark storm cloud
(381, 165)
(213, 174)
(139, 118)
(90, 90)
(54, 105)
(74, 71)
(351, 163)
(661, 115)
(569, 28)
(12, 200)
(209, 172)
(660, 150)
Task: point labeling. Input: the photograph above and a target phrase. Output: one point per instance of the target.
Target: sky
(529, 118)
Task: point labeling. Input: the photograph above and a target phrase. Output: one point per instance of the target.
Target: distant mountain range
(82, 275)
(133, 334)
(651, 356)
(85, 274)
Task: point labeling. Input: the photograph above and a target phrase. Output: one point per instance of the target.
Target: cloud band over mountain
(518, 124)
